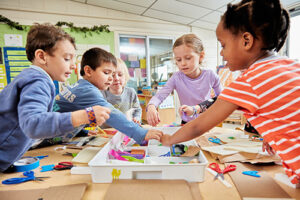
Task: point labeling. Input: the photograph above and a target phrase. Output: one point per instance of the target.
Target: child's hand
(165, 140)
(152, 116)
(187, 109)
(101, 113)
(153, 134)
(268, 148)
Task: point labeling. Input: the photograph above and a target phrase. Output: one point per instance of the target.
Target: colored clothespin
(251, 173)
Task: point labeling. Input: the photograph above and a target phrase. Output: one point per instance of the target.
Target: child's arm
(152, 115)
(200, 108)
(155, 101)
(217, 87)
(218, 112)
(80, 117)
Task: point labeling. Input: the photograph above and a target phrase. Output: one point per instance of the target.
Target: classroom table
(209, 189)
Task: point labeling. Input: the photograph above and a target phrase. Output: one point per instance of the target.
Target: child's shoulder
(31, 75)
(129, 90)
(208, 71)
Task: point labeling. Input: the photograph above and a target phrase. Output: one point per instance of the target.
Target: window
(149, 59)
(294, 39)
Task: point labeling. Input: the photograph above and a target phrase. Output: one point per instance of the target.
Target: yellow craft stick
(102, 131)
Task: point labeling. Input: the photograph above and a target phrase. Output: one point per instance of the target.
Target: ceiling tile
(116, 5)
(287, 3)
(211, 4)
(167, 16)
(179, 8)
(205, 25)
(213, 17)
(144, 3)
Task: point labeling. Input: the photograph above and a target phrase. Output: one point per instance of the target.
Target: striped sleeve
(241, 93)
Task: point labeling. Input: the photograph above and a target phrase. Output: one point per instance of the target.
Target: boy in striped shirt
(268, 90)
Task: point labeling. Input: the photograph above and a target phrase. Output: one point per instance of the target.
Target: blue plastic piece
(251, 173)
(47, 168)
(214, 140)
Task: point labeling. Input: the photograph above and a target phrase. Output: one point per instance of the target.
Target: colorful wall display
(15, 60)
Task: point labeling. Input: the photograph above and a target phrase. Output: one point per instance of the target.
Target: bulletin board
(13, 57)
(15, 60)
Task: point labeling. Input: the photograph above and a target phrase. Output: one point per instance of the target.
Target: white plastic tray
(104, 169)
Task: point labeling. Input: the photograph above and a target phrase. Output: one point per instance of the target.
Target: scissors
(214, 140)
(63, 166)
(29, 176)
(216, 167)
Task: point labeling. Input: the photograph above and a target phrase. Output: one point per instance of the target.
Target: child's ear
(202, 54)
(40, 57)
(87, 70)
(248, 40)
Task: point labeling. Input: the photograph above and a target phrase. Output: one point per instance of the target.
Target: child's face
(102, 76)
(187, 59)
(232, 48)
(118, 79)
(60, 64)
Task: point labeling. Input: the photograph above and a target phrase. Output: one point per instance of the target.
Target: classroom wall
(29, 11)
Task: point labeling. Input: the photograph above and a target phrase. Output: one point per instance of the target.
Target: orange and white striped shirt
(269, 94)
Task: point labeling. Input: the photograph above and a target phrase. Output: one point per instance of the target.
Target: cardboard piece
(85, 155)
(249, 157)
(98, 141)
(236, 150)
(153, 189)
(64, 192)
(191, 151)
(256, 188)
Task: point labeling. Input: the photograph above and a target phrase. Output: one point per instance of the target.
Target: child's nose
(72, 65)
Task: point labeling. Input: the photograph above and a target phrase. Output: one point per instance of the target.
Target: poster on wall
(15, 60)
(13, 40)
(3, 81)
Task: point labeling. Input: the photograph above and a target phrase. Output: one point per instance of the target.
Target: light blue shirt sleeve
(119, 121)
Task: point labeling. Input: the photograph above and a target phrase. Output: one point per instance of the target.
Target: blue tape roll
(26, 164)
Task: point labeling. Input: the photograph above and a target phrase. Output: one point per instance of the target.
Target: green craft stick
(130, 158)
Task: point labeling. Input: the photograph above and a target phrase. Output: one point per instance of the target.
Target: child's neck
(261, 55)
(195, 74)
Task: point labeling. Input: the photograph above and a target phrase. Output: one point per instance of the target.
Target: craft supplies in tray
(152, 161)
